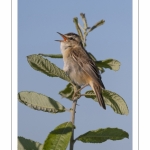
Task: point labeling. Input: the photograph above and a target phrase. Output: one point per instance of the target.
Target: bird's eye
(71, 38)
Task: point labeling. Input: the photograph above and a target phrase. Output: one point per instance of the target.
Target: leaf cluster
(60, 136)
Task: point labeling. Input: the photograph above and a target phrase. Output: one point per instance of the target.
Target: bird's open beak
(63, 36)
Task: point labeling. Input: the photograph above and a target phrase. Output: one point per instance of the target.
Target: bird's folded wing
(87, 64)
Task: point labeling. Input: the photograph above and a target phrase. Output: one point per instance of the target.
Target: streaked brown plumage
(79, 65)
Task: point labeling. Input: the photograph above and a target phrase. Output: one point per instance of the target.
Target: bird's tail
(98, 92)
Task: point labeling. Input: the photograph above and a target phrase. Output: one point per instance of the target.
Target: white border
(14, 74)
(135, 74)
(5, 74)
(144, 74)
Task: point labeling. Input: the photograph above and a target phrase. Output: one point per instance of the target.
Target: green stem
(51, 55)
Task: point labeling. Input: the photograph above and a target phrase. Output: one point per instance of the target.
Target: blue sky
(38, 22)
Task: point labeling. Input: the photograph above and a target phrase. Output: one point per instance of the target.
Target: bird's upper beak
(63, 36)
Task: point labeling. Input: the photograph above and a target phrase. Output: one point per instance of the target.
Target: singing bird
(79, 66)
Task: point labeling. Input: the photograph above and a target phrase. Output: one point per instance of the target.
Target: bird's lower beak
(63, 36)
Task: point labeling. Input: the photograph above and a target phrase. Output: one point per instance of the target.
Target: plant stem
(73, 117)
(73, 120)
(51, 55)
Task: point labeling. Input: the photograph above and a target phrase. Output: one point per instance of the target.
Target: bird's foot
(76, 95)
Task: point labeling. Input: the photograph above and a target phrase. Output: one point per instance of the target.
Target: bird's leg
(79, 90)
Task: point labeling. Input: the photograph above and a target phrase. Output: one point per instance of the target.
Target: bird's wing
(86, 63)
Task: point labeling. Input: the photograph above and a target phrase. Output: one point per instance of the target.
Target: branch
(73, 117)
(51, 55)
(84, 21)
(101, 22)
(75, 20)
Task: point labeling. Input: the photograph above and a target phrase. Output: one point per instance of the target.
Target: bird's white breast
(63, 47)
(64, 51)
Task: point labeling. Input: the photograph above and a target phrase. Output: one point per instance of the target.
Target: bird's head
(70, 40)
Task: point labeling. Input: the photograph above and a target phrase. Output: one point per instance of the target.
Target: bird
(79, 66)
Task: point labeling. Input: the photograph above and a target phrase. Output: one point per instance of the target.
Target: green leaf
(109, 63)
(101, 135)
(59, 138)
(43, 65)
(27, 144)
(52, 55)
(112, 99)
(67, 92)
(41, 102)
